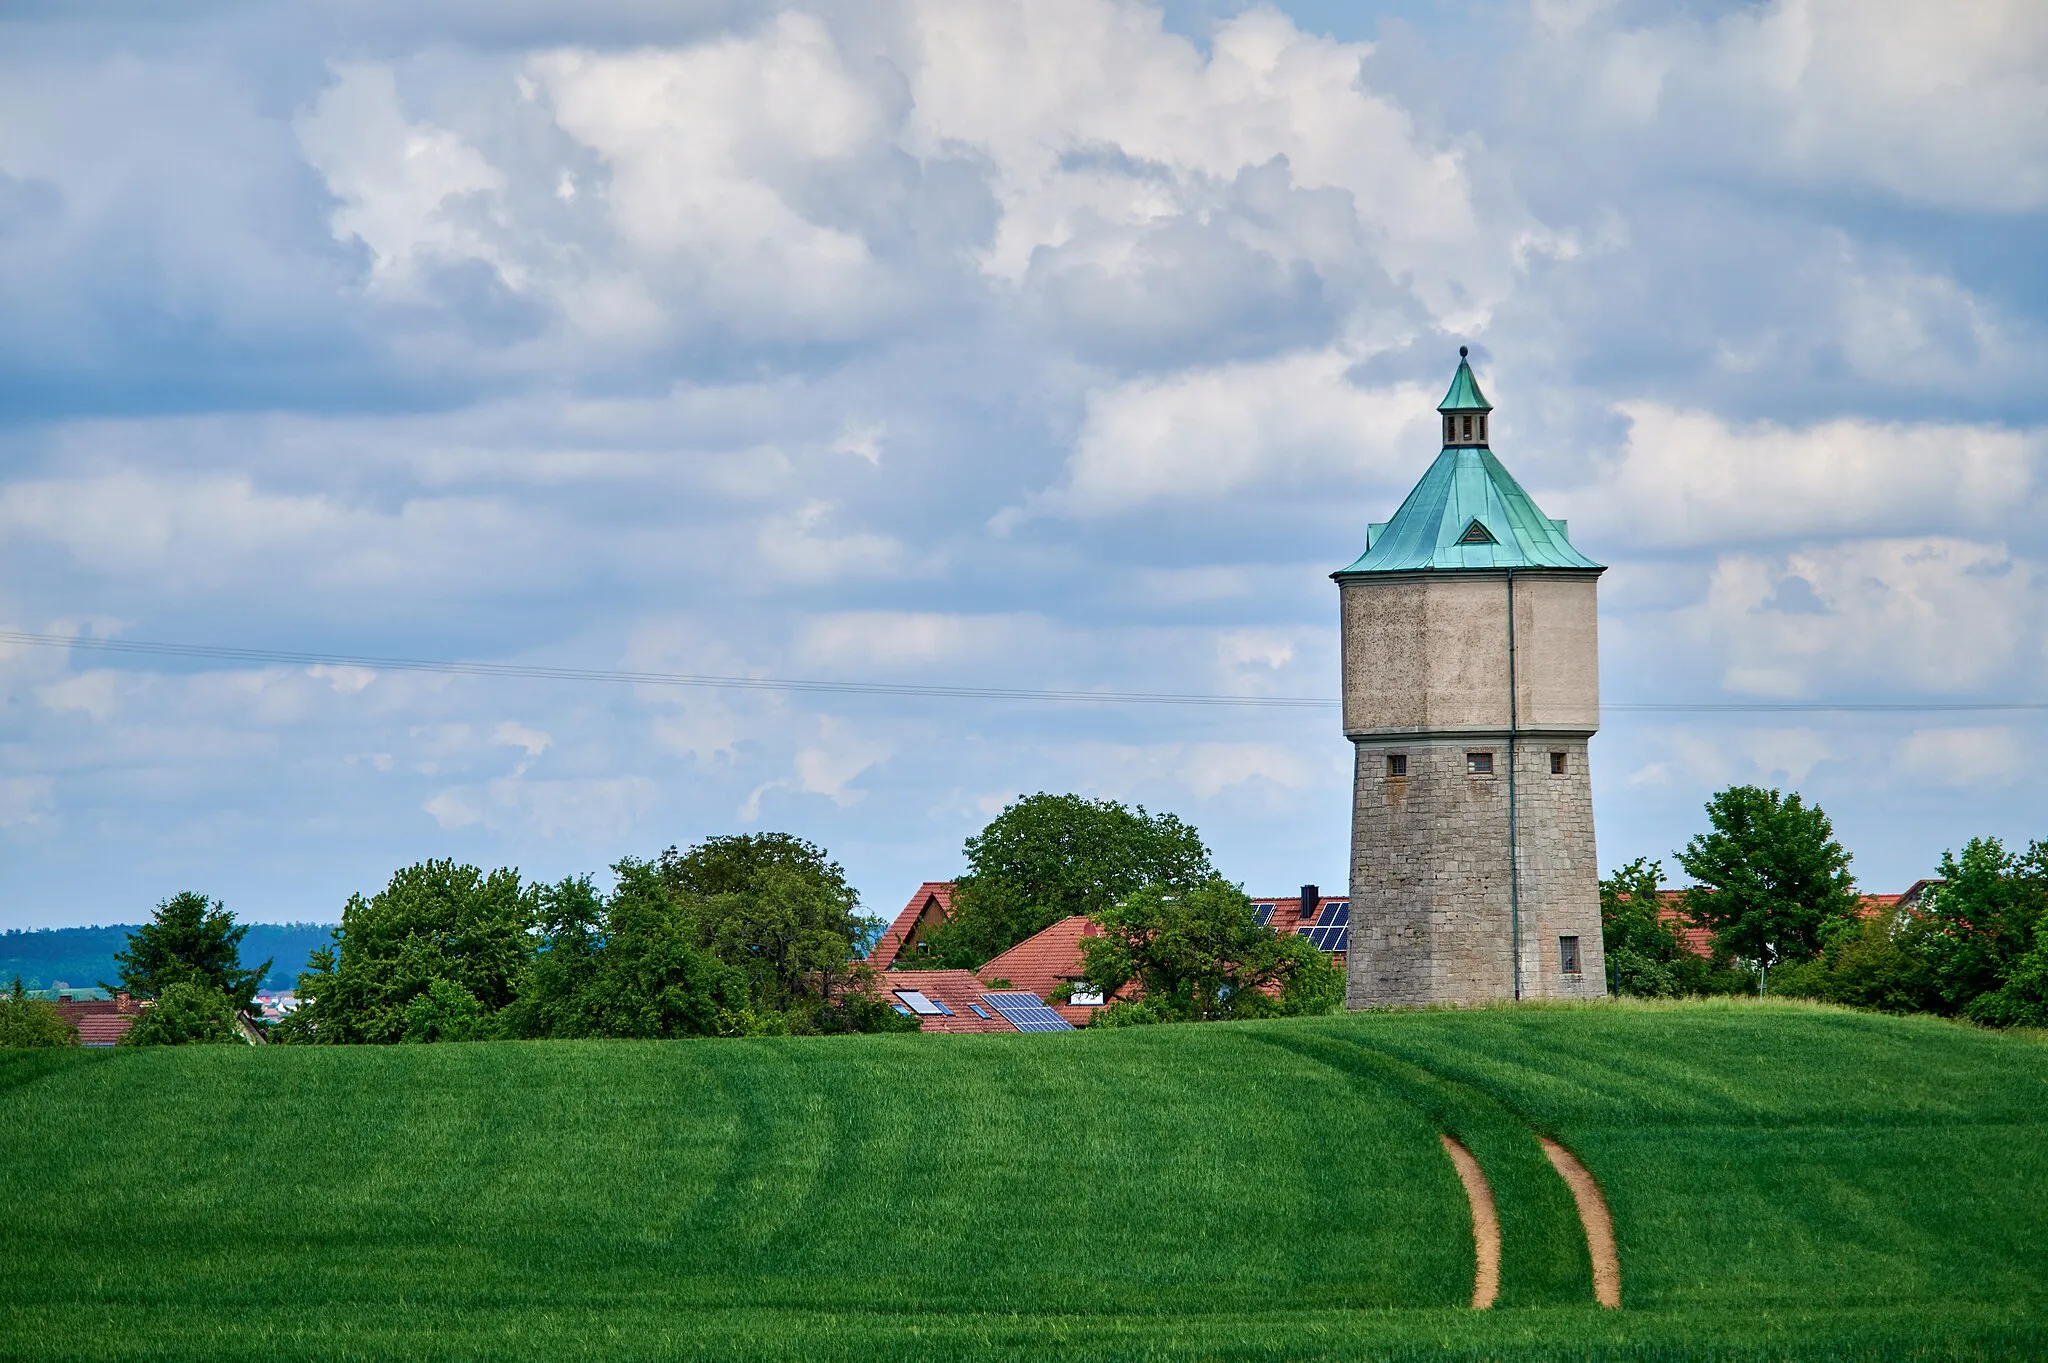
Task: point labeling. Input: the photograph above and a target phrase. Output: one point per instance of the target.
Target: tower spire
(1464, 407)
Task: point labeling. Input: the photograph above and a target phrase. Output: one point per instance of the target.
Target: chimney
(1311, 897)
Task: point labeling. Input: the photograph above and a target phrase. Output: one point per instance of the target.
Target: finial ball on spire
(1463, 352)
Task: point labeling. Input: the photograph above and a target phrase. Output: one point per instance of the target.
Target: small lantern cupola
(1464, 407)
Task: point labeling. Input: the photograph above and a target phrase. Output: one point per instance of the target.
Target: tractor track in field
(1595, 1221)
(1485, 1224)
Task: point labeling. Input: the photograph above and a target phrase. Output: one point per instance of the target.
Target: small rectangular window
(1557, 764)
(1397, 764)
(981, 1012)
(1468, 427)
(1479, 764)
(1568, 955)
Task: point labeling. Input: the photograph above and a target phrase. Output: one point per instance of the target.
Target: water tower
(1471, 687)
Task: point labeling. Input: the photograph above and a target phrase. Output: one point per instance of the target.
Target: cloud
(413, 193)
(1270, 426)
(1964, 757)
(28, 802)
(511, 735)
(719, 157)
(1936, 615)
(826, 767)
(1105, 132)
(1935, 104)
(1690, 478)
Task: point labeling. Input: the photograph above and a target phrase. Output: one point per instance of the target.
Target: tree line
(744, 935)
(1773, 889)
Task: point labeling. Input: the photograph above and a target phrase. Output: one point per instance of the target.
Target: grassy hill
(1784, 1182)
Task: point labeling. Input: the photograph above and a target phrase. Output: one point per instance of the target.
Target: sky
(1066, 345)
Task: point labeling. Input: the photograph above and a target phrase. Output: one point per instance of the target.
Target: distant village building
(1471, 686)
(1044, 969)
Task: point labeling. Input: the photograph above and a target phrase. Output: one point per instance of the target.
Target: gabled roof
(930, 906)
(1431, 531)
(1464, 395)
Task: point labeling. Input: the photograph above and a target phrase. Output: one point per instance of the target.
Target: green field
(1784, 1181)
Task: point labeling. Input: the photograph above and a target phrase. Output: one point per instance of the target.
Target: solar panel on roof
(1027, 1012)
(1327, 936)
(921, 1005)
(1263, 913)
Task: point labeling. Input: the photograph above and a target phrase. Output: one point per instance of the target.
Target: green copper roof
(1464, 395)
(1468, 512)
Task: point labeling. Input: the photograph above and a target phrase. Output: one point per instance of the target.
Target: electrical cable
(538, 672)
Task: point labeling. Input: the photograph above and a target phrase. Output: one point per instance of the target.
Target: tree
(186, 1012)
(775, 907)
(1647, 956)
(1879, 962)
(627, 967)
(435, 955)
(1981, 920)
(1050, 857)
(1771, 876)
(190, 938)
(27, 1022)
(1199, 954)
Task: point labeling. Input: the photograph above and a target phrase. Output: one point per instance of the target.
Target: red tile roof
(1700, 941)
(101, 1022)
(929, 907)
(959, 990)
(1045, 961)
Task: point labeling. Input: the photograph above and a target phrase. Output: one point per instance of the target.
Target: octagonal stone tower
(1471, 687)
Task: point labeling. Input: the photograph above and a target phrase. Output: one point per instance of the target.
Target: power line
(149, 648)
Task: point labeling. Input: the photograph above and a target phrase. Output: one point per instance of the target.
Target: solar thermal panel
(921, 1005)
(1027, 1012)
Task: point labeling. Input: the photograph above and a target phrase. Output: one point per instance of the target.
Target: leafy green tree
(1981, 921)
(1772, 878)
(1199, 955)
(776, 908)
(435, 955)
(1879, 963)
(1050, 857)
(190, 938)
(1647, 956)
(27, 1022)
(185, 1012)
(1643, 951)
(628, 967)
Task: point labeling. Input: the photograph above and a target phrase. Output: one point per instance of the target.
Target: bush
(185, 1014)
(27, 1022)
(1879, 963)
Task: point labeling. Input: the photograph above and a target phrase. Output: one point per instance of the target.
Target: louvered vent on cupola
(1476, 533)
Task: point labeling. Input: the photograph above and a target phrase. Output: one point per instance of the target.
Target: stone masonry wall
(1430, 878)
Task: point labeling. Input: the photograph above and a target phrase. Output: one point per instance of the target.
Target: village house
(1044, 971)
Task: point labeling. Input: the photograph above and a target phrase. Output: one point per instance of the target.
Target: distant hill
(85, 956)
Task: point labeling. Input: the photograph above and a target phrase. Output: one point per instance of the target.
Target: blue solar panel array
(1264, 913)
(1027, 1012)
(1332, 931)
